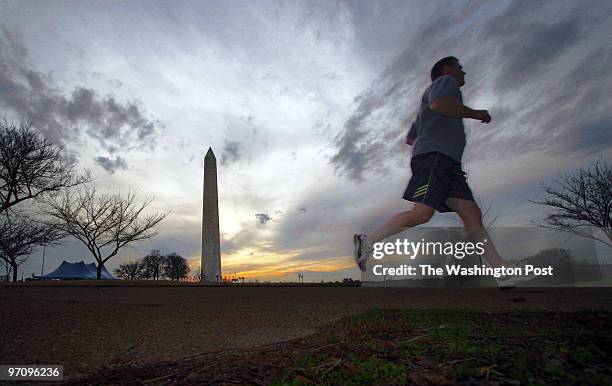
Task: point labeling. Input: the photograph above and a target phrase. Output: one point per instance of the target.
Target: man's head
(448, 66)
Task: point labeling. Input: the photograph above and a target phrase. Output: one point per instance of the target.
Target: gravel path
(86, 327)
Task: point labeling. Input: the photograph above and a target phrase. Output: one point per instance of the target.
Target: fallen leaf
(486, 371)
(303, 380)
(351, 368)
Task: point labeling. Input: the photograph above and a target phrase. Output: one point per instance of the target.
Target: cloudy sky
(305, 105)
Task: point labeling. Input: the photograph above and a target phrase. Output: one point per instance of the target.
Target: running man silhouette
(438, 182)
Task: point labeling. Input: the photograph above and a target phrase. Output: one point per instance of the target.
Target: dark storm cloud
(111, 165)
(245, 136)
(525, 48)
(262, 218)
(34, 96)
(567, 117)
(517, 48)
(375, 127)
(596, 137)
(356, 149)
(231, 152)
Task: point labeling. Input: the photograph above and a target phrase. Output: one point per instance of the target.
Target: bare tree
(130, 270)
(31, 166)
(581, 201)
(105, 223)
(175, 267)
(152, 265)
(20, 235)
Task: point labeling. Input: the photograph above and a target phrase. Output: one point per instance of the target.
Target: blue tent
(75, 271)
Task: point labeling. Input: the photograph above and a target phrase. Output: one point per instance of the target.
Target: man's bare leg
(470, 214)
(401, 221)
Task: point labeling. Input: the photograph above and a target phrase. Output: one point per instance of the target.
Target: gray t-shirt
(435, 132)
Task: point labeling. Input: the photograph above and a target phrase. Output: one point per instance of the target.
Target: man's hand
(482, 115)
(452, 107)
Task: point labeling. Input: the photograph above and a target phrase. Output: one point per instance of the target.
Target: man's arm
(412, 134)
(451, 107)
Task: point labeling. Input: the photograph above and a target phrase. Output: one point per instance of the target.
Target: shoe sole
(506, 288)
(515, 284)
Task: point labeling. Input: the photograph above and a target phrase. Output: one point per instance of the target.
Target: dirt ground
(85, 328)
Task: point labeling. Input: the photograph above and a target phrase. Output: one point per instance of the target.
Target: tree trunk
(14, 272)
(99, 271)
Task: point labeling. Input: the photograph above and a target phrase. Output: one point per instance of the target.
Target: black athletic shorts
(436, 177)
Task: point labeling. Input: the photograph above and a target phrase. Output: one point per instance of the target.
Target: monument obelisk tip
(210, 154)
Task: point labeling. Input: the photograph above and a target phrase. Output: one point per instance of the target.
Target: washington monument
(211, 252)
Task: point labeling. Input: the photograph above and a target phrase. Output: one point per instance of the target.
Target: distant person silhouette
(438, 181)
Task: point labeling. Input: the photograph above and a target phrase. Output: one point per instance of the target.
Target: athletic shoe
(360, 253)
(513, 281)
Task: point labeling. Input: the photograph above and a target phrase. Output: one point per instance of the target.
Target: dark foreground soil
(398, 347)
(259, 335)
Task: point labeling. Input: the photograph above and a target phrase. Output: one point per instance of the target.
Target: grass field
(459, 347)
